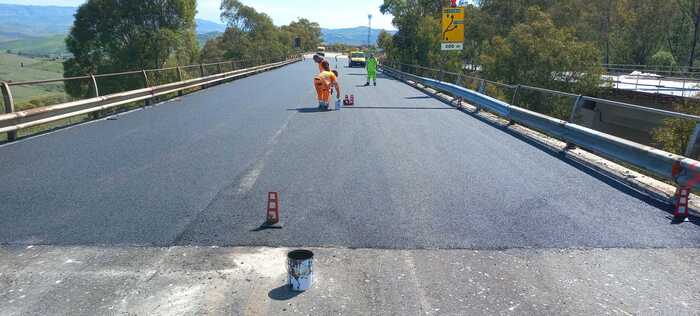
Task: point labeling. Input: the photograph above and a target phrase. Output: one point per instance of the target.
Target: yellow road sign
(452, 28)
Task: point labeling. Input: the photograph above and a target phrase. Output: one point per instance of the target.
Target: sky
(329, 14)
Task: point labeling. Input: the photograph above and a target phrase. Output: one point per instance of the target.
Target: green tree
(674, 134)
(641, 29)
(384, 40)
(308, 32)
(418, 38)
(691, 11)
(252, 35)
(120, 35)
(539, 53)
(663, 58)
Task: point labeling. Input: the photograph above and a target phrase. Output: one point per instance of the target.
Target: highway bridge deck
(398, 170)
(156, 212)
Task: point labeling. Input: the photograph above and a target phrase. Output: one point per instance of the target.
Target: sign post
(453, 28)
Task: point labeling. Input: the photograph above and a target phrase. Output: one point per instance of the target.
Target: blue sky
(330, 14)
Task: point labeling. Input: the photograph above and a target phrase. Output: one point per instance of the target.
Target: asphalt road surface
(398, 170)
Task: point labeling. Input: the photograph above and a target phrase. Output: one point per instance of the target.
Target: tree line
(530, 41)
(111, 36)
(557, 44)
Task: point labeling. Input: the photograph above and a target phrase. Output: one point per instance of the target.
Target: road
(399, 171)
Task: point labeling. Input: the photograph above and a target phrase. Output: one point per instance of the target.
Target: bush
(663, 58)
(674, 134)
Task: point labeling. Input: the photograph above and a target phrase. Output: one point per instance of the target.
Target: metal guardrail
(682, 170)
(692, 149)
(13, 121)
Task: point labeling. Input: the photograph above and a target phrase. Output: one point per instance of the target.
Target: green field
(42, 46)
(29, 96)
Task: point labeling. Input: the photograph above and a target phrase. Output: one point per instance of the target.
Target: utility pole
(369, 31)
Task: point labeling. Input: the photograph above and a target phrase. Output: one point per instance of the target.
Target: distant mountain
(206, 26)
(350, 36)
(41, 30)
(24, 21)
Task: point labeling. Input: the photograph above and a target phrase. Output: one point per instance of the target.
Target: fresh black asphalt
(399, 170)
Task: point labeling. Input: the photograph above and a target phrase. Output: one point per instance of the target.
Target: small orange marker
(273, 208)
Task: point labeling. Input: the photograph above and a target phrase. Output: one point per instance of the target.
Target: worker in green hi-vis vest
(371, 70)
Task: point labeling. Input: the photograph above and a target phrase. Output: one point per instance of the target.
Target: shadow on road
(282, 293)
(398, 108)
(419, 97)
(676, 221)
(309, 110)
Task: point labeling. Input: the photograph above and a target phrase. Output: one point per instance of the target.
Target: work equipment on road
(273, 210)
(338, 105)
(681, 212)
(300, 270)
(349, 100)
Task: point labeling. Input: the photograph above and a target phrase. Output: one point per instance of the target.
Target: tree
(663, 58)
(418, 38)
(308, 32)
(539, 53)
(384, 40)
(114, 36)
(640, 32)
(252, 35)
(674, 134)
(691, 9)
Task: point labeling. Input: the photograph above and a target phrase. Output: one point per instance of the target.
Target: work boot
(367, 84)
(375, 83)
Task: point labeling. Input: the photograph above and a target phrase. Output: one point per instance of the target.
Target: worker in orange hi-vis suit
(323, 83)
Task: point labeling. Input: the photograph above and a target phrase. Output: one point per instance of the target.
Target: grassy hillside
(34, 69)
(20, 21)
(45, 46)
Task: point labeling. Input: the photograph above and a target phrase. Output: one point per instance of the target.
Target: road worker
(371, 66)
(324, 82)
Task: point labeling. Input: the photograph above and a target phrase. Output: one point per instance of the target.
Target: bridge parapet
(155, 83)
(683, 171)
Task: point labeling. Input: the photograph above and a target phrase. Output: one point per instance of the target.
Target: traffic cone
(681, 211)
(273, 210)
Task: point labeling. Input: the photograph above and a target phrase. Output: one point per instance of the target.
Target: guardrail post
(9, 106)
(515, 95)
(94, 86)
(179, 79)
(201, 70)
(693, 149)
(575, 108)
(147, 84)
(218, 68)
(482, 86)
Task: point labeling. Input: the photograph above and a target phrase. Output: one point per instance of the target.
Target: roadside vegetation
(561, 45)
(252, 35)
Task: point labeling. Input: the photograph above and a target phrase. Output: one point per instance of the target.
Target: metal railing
(104, 91)
(573, 102)
(684, 171)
